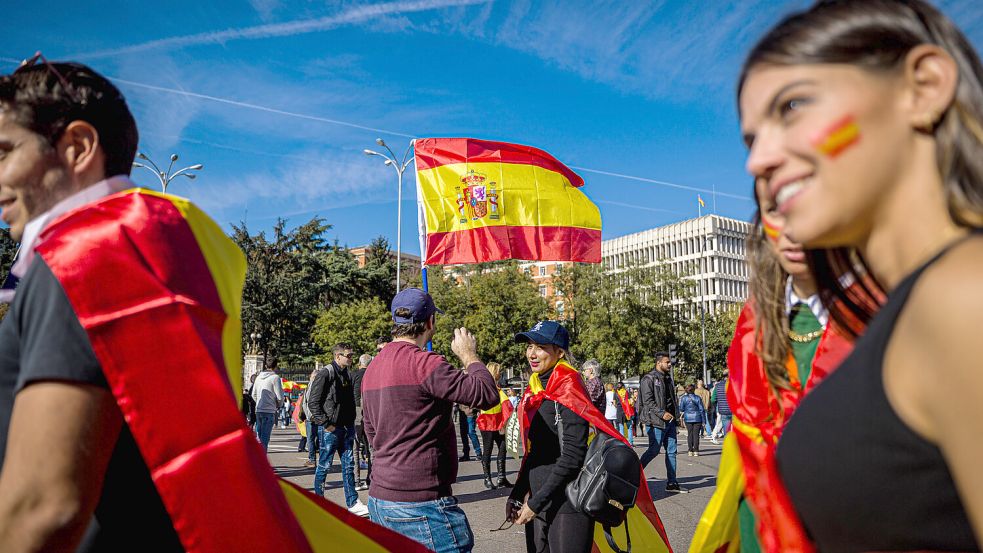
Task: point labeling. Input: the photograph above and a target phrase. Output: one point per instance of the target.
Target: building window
(542, 290)
(559, 308)
(542, 271)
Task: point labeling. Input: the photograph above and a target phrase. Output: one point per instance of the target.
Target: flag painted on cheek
(771, 231)
(838, 137)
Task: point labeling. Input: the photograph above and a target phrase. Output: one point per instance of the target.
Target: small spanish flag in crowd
(484, 201)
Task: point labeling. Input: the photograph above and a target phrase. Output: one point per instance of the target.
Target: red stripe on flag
(505, 242)
(434, 152)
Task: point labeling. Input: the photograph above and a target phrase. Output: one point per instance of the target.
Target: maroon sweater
(407, 396)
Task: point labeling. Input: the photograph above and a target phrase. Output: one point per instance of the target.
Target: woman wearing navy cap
(538, 499)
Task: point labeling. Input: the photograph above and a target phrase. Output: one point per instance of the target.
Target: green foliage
(357, 323)
(295, 275)
(494, 301)
(719, 333)
(621, 319)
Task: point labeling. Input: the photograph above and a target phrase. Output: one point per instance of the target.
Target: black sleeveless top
(859, 478)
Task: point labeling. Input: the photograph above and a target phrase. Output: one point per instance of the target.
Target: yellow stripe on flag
(325, 533)
(718, 529)
(514, 195)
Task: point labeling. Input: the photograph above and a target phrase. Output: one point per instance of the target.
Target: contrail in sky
(290, 28)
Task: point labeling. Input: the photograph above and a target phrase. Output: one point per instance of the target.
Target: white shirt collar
(34, 227)
(813, 301)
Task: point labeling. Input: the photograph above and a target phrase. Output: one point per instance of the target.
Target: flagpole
(422, 226)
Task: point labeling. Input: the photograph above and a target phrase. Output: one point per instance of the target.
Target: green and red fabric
(566, 387)
(157, 287)
(759, 416)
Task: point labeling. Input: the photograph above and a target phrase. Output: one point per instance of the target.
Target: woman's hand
(525, 515)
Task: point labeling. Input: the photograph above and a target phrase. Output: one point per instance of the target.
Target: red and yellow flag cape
(747, 465)
(157, 287)
(567, 388)
(495, 418)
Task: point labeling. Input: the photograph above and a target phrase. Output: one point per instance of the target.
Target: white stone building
(708, 249)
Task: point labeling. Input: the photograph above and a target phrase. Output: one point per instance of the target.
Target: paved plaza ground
(485, 508)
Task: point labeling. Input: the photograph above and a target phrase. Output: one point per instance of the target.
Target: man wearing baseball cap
(407, 396)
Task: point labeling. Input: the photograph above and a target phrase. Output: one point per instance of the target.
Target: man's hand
(666, 417)
(464, 346)
(329, 428)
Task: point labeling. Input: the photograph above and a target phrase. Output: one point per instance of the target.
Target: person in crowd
(332, 405)
(704, 396)
(627, 412)
(491, 423)
(538, 499)
(556, 416)
(267, 393)
(864, 123)
(514, 399)
(297, 416)
(634, 419)
(694, 416)
(660, 412)
(248, 403)
(363, 453)
(467, 424)
(592, 378)
(408, 394)
(285, 411)
(313, 440)
(610, 405)
(721, 406)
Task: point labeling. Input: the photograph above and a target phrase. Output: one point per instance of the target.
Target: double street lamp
(165, 177)
(400, 167)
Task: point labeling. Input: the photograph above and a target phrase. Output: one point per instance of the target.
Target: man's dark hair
(383, 340)
(37, 100)
(690, 388)
(407, 330)
(659, 355)
(272, 362)
(340, 347)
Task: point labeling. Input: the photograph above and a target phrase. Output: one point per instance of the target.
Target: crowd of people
(864, 127)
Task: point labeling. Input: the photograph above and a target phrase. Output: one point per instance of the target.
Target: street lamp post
(165, 177)
(400, 167)
(707, 241)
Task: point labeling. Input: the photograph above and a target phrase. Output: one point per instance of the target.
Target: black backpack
(607, 484)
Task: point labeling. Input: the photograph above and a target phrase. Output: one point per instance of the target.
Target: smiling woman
(864, 128)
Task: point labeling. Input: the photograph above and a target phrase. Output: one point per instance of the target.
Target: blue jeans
(342, 440)
(724, 424)
(473, 434)
(264, 427)
(313, 442)
(440, 525)
(659, 437)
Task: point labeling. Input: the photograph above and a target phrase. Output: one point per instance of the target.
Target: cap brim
(533, 337)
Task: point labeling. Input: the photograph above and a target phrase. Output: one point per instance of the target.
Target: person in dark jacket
(332, 405)
(660, 412)
(363, 453)
(538, 499)
(694, 415)
(592, 381)
(718, 398)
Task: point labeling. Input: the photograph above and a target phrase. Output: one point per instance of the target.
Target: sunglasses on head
(38, 56)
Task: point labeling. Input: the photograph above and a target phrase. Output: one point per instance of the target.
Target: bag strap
(559, 425)
(614, 546)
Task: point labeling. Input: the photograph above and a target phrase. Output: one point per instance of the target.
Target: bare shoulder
(947, 301)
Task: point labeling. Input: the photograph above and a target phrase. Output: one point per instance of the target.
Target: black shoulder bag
(607, 484)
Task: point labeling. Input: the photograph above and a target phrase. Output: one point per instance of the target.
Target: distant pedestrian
(407, 397)
(592, 382)
(704, 394)
(658, 398)
(248, 403)
(332, 405)
(491, 423)
(267, 393)
(467, 423)
(719, 398)
(694, 415)
(610, 405)
(313, 441)
(512, 397)
(363, 453)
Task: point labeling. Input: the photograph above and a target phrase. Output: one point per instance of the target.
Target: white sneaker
(714, 440)
(359, 509)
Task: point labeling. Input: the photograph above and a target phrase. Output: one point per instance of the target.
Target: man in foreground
(407, 397)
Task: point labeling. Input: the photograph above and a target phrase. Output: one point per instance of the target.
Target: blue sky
(278, 99)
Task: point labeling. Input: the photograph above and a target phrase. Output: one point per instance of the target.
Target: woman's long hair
(877, 35)
(767, 290)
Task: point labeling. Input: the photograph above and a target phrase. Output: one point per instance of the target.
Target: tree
(379, 273)
(287, 279)
(621, 318)
(357, 323)
(494, 301)
(719, 332)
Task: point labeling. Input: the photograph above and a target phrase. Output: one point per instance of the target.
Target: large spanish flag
(167, 334)
(485, 201)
